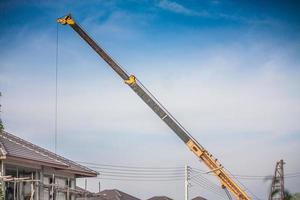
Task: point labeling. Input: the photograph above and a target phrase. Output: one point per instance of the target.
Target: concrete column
(3, 188)
(41, 184)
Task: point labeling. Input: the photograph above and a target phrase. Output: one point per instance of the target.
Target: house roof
(199, 198)
(114, 195)
(15, 148)
(160, 198)
(81, 190)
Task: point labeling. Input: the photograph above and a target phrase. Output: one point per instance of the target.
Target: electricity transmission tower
(277, 186)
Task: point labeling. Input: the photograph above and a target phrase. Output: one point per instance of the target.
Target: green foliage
(1, 192)
(275, 192)
(1, 125)
(296, 196)
(1, 181)
(287, 195)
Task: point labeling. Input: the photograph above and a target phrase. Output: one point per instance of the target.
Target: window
(46, 180)
(61, 182)
(72, 184)
(59, 192)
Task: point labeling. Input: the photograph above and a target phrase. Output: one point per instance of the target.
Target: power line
(154, 175)
(116, 168)
(245, 188)
(296, 176)
(210, 186)
(199, 176)
(295, 173)
(131, 167)
(204, 186)
(143, 173)
(142, 180)
(150, 174)
(138, 176)
(135, 170)
(56, 92)
(205, 181)
(140, 173)
(140, 168)
(252, 177)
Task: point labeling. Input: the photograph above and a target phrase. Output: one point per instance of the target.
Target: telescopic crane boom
(214, 166)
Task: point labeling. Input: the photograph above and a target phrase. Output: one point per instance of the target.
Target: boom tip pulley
(66, 20)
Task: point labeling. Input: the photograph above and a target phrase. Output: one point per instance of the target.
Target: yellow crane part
(131, 80)
(218, 170)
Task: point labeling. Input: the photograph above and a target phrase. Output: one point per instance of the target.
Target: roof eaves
(51, 155)
(79, 172)
(31, 161)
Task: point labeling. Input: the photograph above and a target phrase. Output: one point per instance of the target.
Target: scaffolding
(15, 193)
(16, 181)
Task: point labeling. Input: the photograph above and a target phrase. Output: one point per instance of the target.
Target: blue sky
(228, 70)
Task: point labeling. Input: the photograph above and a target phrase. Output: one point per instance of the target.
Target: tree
(1, 124)
(1, 179)
(287, 195)
(296, 196)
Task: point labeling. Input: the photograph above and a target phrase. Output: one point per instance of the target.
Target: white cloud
(178, 8)
(223, 91)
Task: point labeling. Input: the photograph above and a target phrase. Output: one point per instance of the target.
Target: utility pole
(99, 186)
(186, 182)
(85, 187)
(277, 186)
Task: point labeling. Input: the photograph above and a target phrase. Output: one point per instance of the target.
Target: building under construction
(29, 172)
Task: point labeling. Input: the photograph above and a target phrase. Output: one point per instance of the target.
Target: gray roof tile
(198, 198)
(15, 147)
(115, 195)
(160, 198)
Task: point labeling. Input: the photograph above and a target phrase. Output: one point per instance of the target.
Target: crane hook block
(131, 80)
(66, 20)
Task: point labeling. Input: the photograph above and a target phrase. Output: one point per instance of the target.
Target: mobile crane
(214, 166)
